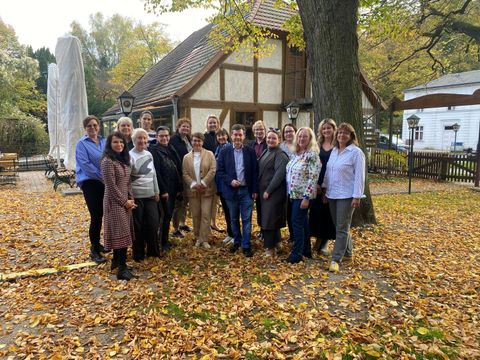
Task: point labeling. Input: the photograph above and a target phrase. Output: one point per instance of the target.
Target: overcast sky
(40, 22)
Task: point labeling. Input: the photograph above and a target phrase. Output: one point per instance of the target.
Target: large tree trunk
(330, 30)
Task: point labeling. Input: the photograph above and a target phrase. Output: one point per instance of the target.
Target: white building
(435, 127)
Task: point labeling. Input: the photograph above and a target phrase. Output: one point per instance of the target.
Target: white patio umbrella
(74, 106)
(55, 130)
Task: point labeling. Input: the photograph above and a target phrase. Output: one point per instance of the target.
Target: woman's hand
(355, 203)
(304, 204)
(130, 204)
(265, 195)
(157, 197)
(165, 196)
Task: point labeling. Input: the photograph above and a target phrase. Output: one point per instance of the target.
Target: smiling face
(303, 139)
(126, 129)
(163, 137)
(117, 144)
(272, 140)
(212, 124)
(237, 137)
(327, 131)
(92, 129)
(197, 144)
(184, 129)
(343, 137)
(259, 133)
(289, 134)
(141, 142)
(146, 122)
(222, 138)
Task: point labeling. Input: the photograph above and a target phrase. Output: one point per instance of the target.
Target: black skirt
(320, 220)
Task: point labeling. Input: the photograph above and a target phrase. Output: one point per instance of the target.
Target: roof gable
(456, 79)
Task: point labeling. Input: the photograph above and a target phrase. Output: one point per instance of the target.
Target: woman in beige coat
(199, 168)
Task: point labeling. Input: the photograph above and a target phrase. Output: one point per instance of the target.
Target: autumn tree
(330, 38)
(116, 51)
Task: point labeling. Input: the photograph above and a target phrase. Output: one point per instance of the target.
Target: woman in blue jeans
(345, 183)
(302, 176)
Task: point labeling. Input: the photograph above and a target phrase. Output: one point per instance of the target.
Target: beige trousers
(201, 211)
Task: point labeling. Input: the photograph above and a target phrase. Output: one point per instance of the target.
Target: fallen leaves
(411, 292)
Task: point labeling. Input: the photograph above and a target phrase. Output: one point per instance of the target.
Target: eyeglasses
(275, 130)
(92, 126)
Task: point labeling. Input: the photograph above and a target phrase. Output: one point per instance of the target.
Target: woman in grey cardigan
(272, 191)
(146, 194)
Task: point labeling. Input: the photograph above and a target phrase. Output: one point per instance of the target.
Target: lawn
(411, 292)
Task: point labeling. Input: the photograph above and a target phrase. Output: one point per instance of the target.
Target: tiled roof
(468, 77)
(181, 65)
(266, 14)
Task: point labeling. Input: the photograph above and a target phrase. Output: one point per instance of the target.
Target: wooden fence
(427, 165)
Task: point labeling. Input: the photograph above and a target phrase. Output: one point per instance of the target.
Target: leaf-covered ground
(411, 292)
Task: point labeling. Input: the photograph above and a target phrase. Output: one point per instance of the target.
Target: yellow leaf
(80, 349)
(422, 331)
(374, 353)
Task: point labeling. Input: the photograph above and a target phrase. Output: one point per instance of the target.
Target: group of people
(139, 181)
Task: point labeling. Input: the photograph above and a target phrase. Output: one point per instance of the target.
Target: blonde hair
(124, 119)
(312, 145)
(348, 127)
(212, 117)
(326, 121)
(137, 132)
(257, 124)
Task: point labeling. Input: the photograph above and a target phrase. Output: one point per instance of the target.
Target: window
(419, 133)
(246, 119)
(451, 108)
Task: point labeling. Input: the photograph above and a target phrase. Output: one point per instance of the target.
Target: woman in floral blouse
(302, 176)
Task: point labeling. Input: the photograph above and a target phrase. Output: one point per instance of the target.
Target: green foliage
(23, 134)
(18, 73)
(116, 52)
(44, 58)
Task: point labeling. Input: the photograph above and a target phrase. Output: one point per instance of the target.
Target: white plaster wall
(238, 86)
(270, 118)
(269, 88)
(210, 89)
(303, 119)
(226, 124)
(240, 57)
(285, 119)
(199, 118)
(434, 120)
(274, 61)
(367, 107)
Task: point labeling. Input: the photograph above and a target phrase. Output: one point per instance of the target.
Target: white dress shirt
(197, 159)
(345, 175)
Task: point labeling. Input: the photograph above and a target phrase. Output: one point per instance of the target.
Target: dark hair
(88, 119)
(198, 135)
(238, 127)
(223, 131)
(162, 128)
(124, 156)
(146, 112)
(283, 129)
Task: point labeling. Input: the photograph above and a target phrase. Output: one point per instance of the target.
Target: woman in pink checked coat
(117, 203)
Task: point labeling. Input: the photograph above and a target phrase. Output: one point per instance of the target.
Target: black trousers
(145, 221)
(271, 238)
(289, 220)
(227, 216)
(93, 191)
(120, 257)
(166, 212)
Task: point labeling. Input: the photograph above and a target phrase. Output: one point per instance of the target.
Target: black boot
(96, 256)
(124, 274)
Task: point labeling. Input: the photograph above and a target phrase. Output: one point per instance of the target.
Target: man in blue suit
(237, 169)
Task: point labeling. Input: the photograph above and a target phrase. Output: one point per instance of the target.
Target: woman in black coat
(272, 191)
(169, 176)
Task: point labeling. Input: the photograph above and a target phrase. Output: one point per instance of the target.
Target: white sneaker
(198, 243)
(206, 245)
(228, 240)
(269, 252)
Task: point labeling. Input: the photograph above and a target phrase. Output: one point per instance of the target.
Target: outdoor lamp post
(455, 128)
(126, 102)
(412, 122)
(292, 111)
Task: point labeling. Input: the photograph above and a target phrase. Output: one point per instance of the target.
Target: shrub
(23, 134)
